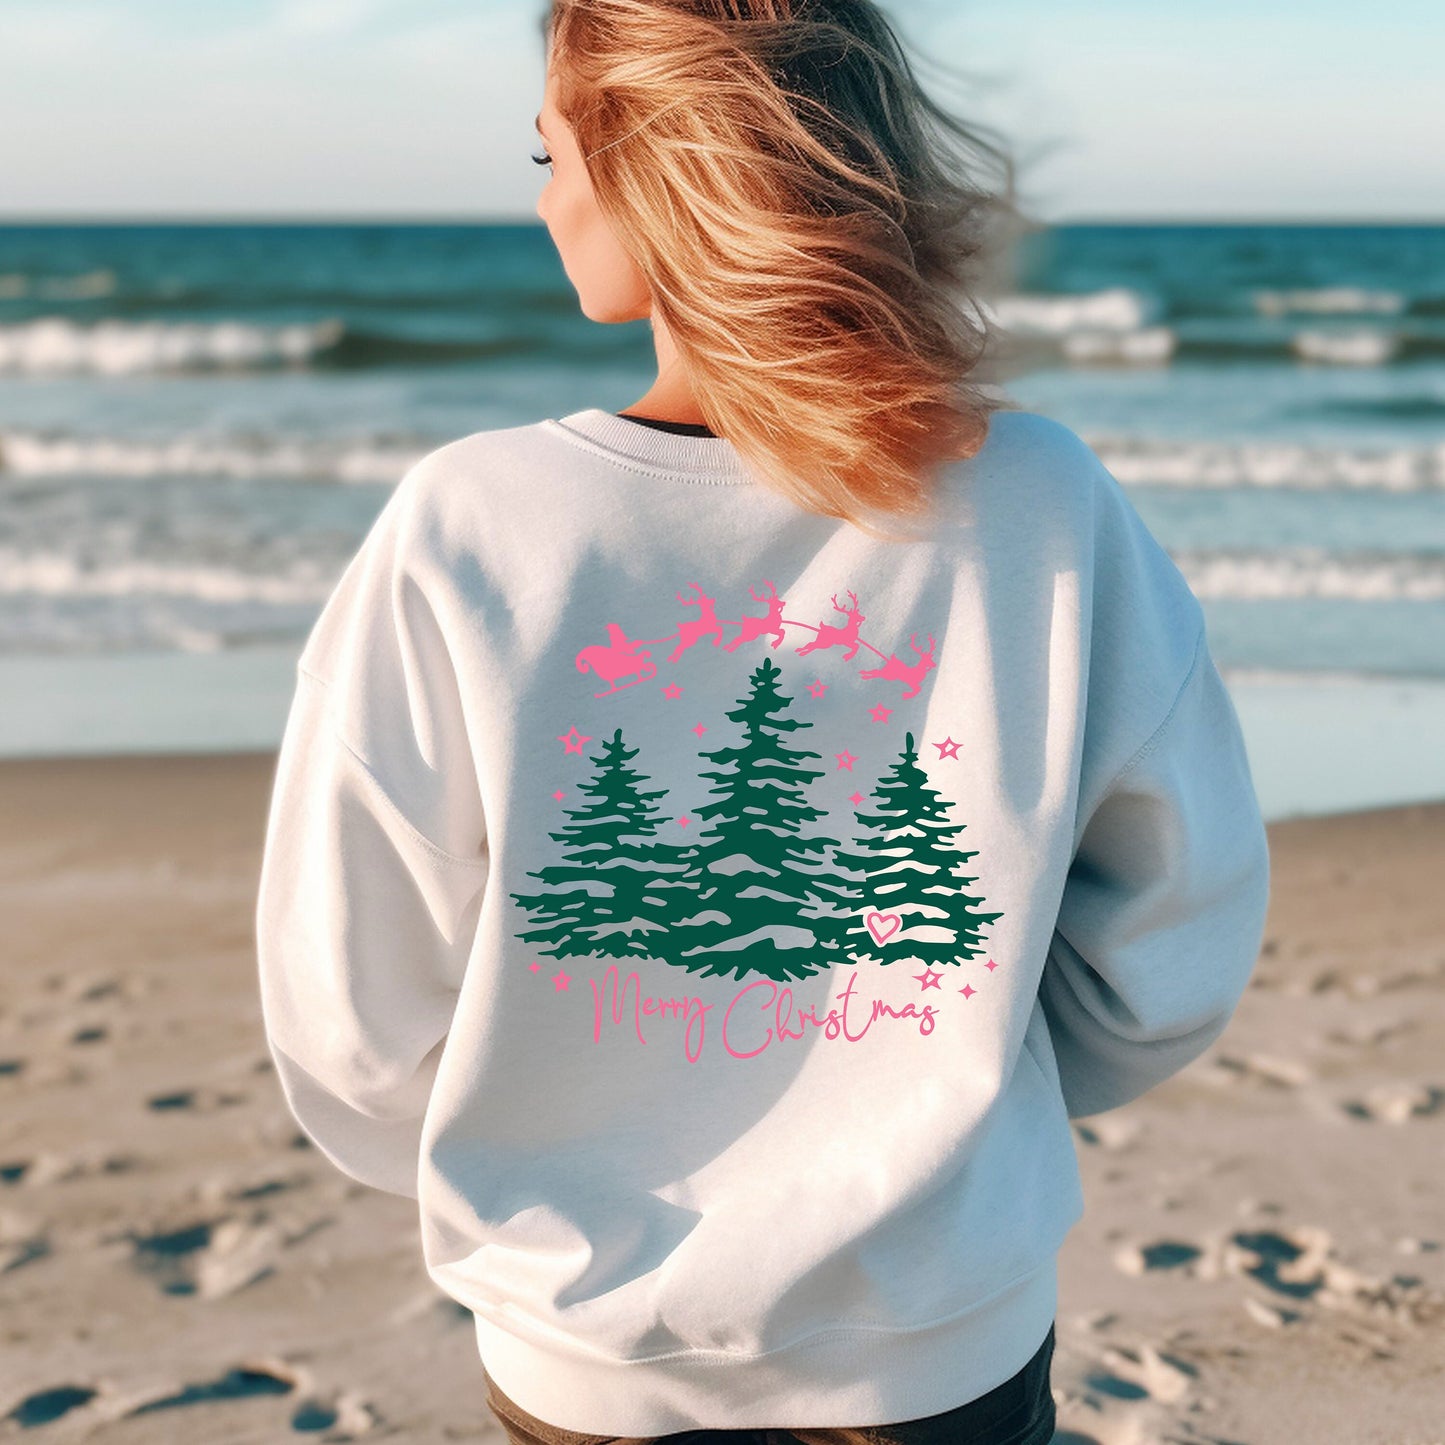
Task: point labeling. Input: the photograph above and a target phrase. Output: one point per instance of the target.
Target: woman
(709, 902)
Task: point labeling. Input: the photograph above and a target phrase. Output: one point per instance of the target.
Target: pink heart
(883, 925)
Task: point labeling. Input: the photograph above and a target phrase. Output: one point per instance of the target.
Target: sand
(1262, 1260)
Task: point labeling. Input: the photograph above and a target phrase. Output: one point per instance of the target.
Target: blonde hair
(768, 165)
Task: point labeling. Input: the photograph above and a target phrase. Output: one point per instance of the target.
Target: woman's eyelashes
(542, 159)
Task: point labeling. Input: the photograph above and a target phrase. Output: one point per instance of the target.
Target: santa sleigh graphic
(619, 662)
(625, 661)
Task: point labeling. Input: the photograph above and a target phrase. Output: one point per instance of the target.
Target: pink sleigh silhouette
(619, 659)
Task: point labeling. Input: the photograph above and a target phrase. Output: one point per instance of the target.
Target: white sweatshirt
(713, 915)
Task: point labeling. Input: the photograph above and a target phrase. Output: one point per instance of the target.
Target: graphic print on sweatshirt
(748, 877)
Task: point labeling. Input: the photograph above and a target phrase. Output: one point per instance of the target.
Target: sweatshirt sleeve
(1163, 907)
(373, 868)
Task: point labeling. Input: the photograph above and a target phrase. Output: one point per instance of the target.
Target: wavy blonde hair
(769, 166)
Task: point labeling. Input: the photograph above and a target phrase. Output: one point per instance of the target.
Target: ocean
(199, 422)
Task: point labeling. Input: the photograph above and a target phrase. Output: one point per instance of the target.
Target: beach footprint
(1368, 1035)
(17, 1253)
(210, 1258)
(1113, 1131)
(45, 1407)
(344, 1416)
(1121, 1394)
(1255, 1070)
(1396, 1102)
(1295, 1267)
(88, 1161)
(265, 1186)
(1299, 1266)
(76, 1402)
(203, 1099)
(1287, 1262)
(1160, 1254)
(245, 1381)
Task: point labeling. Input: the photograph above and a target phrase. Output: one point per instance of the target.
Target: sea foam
(1308, 572)
(1144, 462)
(33, 454)
(52, 345)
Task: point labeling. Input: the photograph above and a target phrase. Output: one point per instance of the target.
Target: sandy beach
(1262, 1260)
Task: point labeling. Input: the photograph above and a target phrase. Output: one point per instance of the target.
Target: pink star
(534, 966)
(990, 965)
(572, 740)
(560, 980)
(968, 990)
(929, 979)
(947, 748)
(818, 688)
(855, 798)
(672, 690)
(699, 730)
(879, 713)
(559, 795)
(845, 761)
(683, 822)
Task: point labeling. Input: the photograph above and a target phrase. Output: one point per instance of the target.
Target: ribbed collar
(639, 447)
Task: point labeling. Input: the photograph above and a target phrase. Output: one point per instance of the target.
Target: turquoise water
(197, 425)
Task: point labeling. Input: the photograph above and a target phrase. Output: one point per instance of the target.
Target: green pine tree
(904, 863)
(609, 895)
(759, 886)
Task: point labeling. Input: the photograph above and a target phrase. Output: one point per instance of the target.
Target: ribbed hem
(645, 448)
(835, 1378)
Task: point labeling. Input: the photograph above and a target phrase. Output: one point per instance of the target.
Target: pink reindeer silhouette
(754, 627)
(697, 628)
(830, 634)
(895, 670)
(619, 659)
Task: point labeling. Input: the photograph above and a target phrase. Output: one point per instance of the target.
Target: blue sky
(1120, 108)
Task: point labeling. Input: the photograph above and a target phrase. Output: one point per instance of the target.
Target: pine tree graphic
(757, 894)
(609, 896)
(905, 864)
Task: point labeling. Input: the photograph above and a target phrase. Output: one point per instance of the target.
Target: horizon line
(443, 218)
